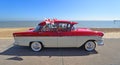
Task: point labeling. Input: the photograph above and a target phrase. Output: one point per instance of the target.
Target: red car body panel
(77, 32)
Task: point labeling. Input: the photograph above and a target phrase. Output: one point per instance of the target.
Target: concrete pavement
(103, 55)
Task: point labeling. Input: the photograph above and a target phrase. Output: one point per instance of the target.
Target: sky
(61, 9)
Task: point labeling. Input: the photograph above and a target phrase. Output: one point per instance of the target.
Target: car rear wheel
(36, 46)
(90, 46)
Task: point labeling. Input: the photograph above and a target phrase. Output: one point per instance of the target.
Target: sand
(7, 32)
(108, 32)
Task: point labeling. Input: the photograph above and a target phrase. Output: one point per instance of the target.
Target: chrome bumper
(99, 42)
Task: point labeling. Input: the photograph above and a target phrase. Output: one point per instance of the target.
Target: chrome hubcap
(36, 46)
(89, 46)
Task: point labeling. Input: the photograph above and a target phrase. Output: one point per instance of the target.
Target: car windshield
(37, 28)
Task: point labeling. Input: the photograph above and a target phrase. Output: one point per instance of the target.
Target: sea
(82, 23)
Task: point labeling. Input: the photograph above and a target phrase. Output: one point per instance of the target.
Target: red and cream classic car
(58, 33)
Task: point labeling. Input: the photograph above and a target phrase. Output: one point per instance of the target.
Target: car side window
(49, 27)
(53, 27)
(63, 27)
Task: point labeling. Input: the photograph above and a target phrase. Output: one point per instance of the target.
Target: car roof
(56, 21)
(65, 21)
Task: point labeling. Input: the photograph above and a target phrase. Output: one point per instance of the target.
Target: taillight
(101, 34)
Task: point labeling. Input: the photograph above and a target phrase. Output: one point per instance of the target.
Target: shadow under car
(26, 51)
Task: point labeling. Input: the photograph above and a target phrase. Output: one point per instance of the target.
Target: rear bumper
(99, 42)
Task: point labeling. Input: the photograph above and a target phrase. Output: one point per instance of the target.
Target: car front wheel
(36, 46)
(90, 46)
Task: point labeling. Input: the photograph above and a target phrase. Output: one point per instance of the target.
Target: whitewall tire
(36, 46)
(90, 46)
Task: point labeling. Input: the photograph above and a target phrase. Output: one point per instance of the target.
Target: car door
(48, 36)
(49, 39)
(66, 38)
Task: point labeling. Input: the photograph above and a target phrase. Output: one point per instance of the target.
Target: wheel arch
(90, 40)
(87, 41)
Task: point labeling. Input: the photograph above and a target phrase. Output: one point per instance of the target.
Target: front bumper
(99, 42)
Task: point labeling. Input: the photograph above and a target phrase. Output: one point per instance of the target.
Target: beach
(108, 32)
(6, 33)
